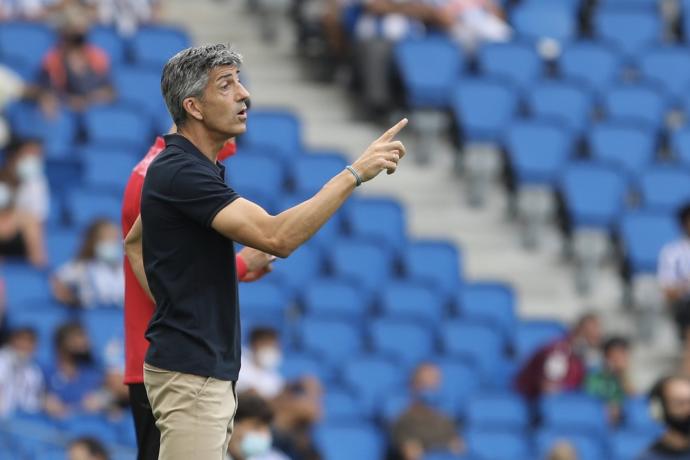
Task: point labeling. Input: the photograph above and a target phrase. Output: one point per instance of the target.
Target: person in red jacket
(251, 265)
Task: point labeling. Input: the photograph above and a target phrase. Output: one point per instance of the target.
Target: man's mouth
(242, 112)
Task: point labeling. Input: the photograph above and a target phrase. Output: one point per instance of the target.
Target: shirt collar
(178, 140)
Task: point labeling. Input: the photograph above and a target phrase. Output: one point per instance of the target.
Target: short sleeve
(199, 193)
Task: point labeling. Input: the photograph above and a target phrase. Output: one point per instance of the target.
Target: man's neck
(202, 140)
(677, 441)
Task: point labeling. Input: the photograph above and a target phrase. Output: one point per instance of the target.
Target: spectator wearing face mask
(24, 202)
(74, 384)
(95, 277)
(297, 405)
(251, 436)
(670, 404)
(87, 448)
(21, 380)
(422, 427)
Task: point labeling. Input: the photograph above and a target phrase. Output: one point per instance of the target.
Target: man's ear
(192, 106)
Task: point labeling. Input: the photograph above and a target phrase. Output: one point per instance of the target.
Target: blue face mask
(429, 397)
(255, 443)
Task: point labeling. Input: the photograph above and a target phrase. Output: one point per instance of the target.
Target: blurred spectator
(95, 277)
(611, 383)
(74, 383)
(297, 405)
(562, 450)
(562, 365)
(472, 22)
(251, 436)
(3, 313)
(26, 10)
(114, 359)
(126, 15)
(670, 404)
(78, 73)
(674, 278)
(21, 380)
(422, 428)
(87, 449)
(24, 202)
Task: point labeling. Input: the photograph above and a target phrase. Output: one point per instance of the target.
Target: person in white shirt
(21, 381)
(673, 275)
(24, 202)
(95, 277)
(297, 405)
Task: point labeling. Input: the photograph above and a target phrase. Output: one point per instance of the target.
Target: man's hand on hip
(383, 153)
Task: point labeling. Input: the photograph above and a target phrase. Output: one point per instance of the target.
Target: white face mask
(109, 252)
(269, 358)
(5, 195)
(30, 167)
(255, 443)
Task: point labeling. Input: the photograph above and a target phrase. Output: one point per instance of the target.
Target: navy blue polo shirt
(190, 267)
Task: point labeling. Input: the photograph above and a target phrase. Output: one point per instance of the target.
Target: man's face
(678, 398)
(591, 332)
(79, 452)
(223, 104)
(618, 359)
(24, 345)
(247, 437)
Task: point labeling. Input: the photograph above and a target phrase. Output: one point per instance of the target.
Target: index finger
(392, 132)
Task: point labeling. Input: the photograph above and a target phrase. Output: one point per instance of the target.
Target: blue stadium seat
(665, 188)
(628, 445)
(594, 194)
(310, 172)
(108, 171)
(62, 245)
(331, 230)
(35, 38)
(105, 328)
(330, 340)
(297, 270)
(90, 425)
(108, 39)
(278, 130)
(668, 66)
(441, 455)
(428, 68)
(408, 343)
(445, 259)
(587, 447)
(334, 298)
(411, 301)
(568, 103)
(480, 344)
(590, 62)
(349, 441)
(20, 67)
(680, 143)
(576, 413)
(637, 416)
(24, 283)
(537, 151)
(85, 205)
(626, 145)
(57, 133)
(499, 445)
(490, 303)
(63, 175)
(629, 29)
(483, 108)
(643, 234)
(503, 411)
(264, 302)
(382, 376)
(363, 262)
(632, 4)
(554, 20)
(394, 404)
(44, 321)
(113, 125)
(381, 220)
(140, 87)
(685, 19)
(259, 173)
(298, 365)
(637, 103)
(461, 381)
(531, 335)
(153, 45)
(517, 62)
(342, 406)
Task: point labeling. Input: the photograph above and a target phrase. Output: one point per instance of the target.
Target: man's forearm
(136, 260)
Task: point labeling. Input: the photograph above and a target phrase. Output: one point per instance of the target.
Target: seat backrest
(668, 66)
(27, 42)
(638, 103)
(644, 234)
(310, 172)
(108, 39)
(278, 130)
(379, 219)
(576, 412)
(517, 62)
(349, 441)
(568, 103)
(262, 173)
(108, 171)
(665, 188)
(371, 376)
(153, 45)
(342, 406)
(113, 125)
(629, 29)
(554, 20)
(428, 68)
(497, 411)
(332, 340)
(411, 301)
(531, 335)
(407, 342)
(498, 445)
(476, 342)
(364, 262)
(296, 271)
(593, 63)
(629, 445)
(626, 145)
(333, 298)
(444, 257)
(490, 303)
(483, 108)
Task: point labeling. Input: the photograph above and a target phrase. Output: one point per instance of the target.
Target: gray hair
(186, 75)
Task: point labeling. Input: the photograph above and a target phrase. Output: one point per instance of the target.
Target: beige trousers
(194, 414)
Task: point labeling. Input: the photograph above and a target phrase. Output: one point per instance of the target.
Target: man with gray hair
(190, 219)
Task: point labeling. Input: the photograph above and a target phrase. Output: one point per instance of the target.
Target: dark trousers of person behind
(148, 436)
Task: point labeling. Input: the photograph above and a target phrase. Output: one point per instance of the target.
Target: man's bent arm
(248, 224)
(133, 249)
